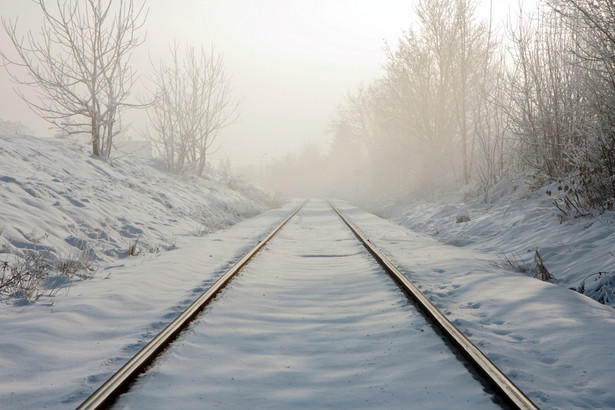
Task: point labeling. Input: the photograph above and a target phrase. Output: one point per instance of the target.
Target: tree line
(79, 69)
(460, 102)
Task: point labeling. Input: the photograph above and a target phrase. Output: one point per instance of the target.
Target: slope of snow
(513, 222)
(59, 203)
(60, 206)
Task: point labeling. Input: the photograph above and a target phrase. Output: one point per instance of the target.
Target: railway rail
(121, 381)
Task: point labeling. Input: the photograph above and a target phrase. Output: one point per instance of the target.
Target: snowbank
(514, 222)
(65, 211)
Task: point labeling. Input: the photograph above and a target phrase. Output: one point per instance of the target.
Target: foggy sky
(291, 62)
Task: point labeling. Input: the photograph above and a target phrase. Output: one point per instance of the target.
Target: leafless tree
(473, 60)
(356, 118)
(420, 74)
(434, 81)
(191, 104)
(487, 110)
(548, 105)
(79, 65)
(592, 24)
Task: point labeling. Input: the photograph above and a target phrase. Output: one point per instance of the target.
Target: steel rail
(501, 384)
(123, 378)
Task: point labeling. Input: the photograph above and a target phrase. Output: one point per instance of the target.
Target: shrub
(23, 277)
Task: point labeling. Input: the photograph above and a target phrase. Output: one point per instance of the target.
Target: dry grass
(540, 271)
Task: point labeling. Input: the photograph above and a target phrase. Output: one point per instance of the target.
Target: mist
(359, 100)
(290, 63)
(463, 100)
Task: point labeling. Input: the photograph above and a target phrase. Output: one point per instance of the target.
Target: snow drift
(66, 212)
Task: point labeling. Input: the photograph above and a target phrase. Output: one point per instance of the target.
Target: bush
(600, 287)
(36, 274)
(22, 278)
(592, 187)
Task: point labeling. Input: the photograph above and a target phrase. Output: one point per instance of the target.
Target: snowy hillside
(65, 213)
(515, 223)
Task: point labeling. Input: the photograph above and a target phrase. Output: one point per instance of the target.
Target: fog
(303, 72)
(291, 62)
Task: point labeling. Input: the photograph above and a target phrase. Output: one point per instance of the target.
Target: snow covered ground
(513, 222)
(66, 211)
(57, 201)
(54, 353)
(59, 204)
(312, 322)
(553, 343)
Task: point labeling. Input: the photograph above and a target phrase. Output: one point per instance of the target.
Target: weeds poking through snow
(36, 274)
(80, 264)
(164, 246)
(540, 270)
(22, 278)
(133, 248)
(511, 263)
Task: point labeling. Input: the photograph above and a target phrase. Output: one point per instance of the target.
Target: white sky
(291, 61)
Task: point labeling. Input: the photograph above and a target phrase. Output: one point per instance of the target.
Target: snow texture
(312, 322)
(554, 343)
(513, 222)
(61, 203)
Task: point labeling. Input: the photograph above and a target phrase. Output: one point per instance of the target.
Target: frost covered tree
(438, 108)
(192, 103)
(547, 98)
(79, 65)
(355, 119)
(592, 24)
(435, 80)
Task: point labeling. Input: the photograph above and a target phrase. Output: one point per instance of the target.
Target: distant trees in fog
(79, 65)
(191, 104)
(79, 68)
(458, 103)
(424, 113)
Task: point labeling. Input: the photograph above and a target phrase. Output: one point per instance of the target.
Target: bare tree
(79, 65)
(472, 60)
(592, 157)
(364, 141)
(491, 126)
(357, 115)
(487, 110)
(434, 81)
(192, 104)
(418, 97)
(548, 104)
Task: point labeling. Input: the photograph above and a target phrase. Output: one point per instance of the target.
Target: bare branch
(79, 65)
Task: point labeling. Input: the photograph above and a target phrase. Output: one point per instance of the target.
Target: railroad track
(505, 391)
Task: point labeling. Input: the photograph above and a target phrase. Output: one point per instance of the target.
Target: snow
(56, 352)
(513, 222)
(64, 204)
(312, 322)
(554, 343)
(57, 200)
